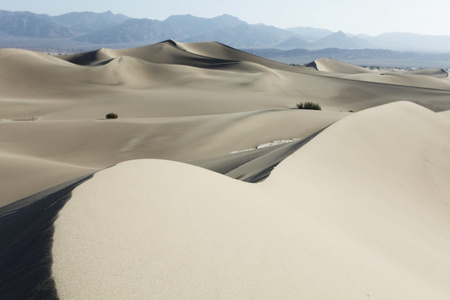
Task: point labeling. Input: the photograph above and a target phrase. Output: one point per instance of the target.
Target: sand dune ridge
(217, 237)
(355, 207)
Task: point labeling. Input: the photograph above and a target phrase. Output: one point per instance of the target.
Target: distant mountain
(26, 24)
(191, 25)
(86, 22)
(294, 42)
(411, 41)
(310, 34)
(338, 40)
(89, 30)
(245, 35)
(334, 53)
(131, 30)
(175, 27)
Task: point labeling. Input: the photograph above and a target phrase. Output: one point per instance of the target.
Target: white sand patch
(265, 145)
(276, 143)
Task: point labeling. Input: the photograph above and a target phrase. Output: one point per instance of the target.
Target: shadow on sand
(26, 237)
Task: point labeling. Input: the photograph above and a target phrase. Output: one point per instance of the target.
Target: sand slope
(333, 66)
(425, 78)
(350, 215)
(85, 146)
(356, 207)
(177, 101)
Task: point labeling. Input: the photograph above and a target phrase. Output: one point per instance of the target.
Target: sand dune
(333, 66)
(85, 146)
(165, 78)
(324, 212)
(439, 73)
(354, 206)
(425, 78)
(205, 54)
(445, 113)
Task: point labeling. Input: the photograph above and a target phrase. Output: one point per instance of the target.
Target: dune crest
(333, 66)
(351, 214)
(154, 88)
(355, 206)
(426, 78)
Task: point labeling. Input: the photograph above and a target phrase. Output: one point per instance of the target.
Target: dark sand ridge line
(26, 226)
(255, 165)
(26, 237)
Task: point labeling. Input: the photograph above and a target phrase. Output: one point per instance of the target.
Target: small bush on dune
(112, 116)
(309, 105)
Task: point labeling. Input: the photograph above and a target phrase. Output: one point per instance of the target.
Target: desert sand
(175, 200)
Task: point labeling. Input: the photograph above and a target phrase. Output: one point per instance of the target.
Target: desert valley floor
(211, 185)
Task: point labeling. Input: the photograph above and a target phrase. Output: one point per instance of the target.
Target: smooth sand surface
(176, 101)
(64, 150)
(425, 78)
(356, 207)
(445, 113)
(360, 211)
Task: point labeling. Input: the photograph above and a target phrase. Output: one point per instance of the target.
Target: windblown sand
(347, 216)
(360, 209)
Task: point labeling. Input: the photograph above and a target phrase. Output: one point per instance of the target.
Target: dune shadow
(256, 165)
(26, 238)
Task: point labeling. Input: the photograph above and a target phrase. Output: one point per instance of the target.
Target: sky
(370, 17)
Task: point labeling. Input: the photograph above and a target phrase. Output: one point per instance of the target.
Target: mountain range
(91, 30)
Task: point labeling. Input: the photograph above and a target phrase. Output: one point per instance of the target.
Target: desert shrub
(309, 105)
(112, 116)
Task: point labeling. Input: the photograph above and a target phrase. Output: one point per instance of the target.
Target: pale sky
(352, 16)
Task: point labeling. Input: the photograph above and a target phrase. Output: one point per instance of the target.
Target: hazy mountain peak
(85, 22)
(339, 33)
(310, 34)
(27, 24)
(226, 17)
(181, 17)
(294, 42)
(110, 28)
(337, 40)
